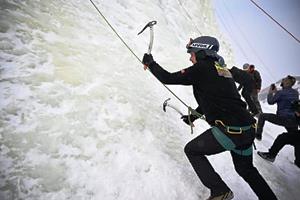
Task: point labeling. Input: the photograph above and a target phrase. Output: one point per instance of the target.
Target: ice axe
(165, 104)
(150, 25)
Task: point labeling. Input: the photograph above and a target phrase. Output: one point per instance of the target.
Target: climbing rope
(270, 73)
(189, 17)
(190, 110)
(114, 30)
(275, 21)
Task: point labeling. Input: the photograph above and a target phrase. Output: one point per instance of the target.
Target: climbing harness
(226, 142)
(235, 130)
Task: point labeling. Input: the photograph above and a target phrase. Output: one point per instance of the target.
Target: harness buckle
(233, 132)
(230, 129)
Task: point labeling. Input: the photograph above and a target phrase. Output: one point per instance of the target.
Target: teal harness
(227, 143)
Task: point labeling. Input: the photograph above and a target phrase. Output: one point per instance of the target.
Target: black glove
(147, 59)
(185, 118)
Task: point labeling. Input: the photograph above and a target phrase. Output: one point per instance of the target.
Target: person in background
(284, 115)
(247, 84)
(292, 138)
(257, 84)
(232, 125)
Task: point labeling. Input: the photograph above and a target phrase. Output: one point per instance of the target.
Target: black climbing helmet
(206, 43)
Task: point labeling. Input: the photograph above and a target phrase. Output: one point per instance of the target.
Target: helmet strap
(200, 55)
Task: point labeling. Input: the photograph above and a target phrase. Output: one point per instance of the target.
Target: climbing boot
(266, 155)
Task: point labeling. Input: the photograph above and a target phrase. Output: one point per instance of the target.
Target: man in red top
(257, 85)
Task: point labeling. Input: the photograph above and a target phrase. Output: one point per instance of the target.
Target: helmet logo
(201, 46)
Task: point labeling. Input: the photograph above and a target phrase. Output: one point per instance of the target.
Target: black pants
(254, 97)
(290, 124)
(292, 138)
(246, 93)
(206, 144)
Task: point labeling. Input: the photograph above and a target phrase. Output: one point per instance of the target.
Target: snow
(81, 119)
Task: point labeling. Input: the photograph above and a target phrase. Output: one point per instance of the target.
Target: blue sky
(256, 39)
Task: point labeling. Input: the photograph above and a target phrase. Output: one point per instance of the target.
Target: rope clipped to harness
(191, 111)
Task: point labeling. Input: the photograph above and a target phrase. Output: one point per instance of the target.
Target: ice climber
(232, 126)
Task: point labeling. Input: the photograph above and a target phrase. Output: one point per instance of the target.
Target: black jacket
(257, 79)
(243, 78)
(214, 90)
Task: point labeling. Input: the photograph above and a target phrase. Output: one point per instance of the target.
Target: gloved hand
(147, 59)
(185, 118)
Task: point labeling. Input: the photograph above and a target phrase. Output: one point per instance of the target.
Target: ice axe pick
(165, 104)
(150, 25)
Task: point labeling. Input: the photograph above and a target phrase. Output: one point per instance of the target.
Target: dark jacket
(214, 90)
(243, 78)
(284, 99)
(257, 79)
